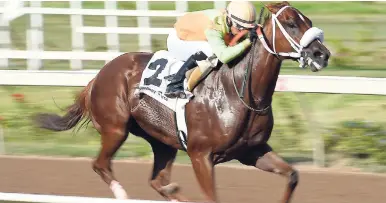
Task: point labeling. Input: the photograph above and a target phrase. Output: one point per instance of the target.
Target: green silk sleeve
(221, 50)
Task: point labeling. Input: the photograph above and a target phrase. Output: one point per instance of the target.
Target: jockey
(200, 34)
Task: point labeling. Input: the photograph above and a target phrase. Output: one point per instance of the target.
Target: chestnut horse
(229, 118)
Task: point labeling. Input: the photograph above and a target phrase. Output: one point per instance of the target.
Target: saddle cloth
(155, 78)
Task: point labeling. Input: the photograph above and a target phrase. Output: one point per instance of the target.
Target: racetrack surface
(247, 185)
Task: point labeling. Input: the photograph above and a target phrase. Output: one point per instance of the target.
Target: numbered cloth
(158, 74)
(155, 78)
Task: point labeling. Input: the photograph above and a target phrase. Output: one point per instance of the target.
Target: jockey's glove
(252, 34)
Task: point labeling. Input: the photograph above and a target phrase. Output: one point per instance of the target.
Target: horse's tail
(75, 113)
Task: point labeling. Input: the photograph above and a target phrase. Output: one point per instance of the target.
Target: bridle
(313, 33)
(309, 36)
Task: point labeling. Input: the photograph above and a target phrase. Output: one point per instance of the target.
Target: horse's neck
(262, 78)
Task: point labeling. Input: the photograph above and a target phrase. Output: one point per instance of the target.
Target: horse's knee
(100, 168)
(293, 179)
(97, 169)
(154, 184)
(95, 166)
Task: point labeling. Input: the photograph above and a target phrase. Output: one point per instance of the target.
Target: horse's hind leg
(164, 157)
(265, 159)
(113, 136)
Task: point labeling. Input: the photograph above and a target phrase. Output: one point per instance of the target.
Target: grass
(21, 137)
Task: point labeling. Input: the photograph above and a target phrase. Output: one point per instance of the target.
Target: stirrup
(175, 90)
(179, 94)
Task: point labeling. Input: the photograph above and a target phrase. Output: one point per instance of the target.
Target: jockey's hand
(252, 34)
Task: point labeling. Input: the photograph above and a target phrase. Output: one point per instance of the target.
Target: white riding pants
(182, 50)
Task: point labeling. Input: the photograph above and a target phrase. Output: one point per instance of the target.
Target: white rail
(286, 83)
(59, 55)
(18, 197)
(123, 30)
(99, 12)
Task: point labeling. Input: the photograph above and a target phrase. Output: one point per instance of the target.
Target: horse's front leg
(264, 158)
(203, 168)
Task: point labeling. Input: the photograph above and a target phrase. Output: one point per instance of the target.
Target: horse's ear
(276, 6)
(272, 8)
(286, 3)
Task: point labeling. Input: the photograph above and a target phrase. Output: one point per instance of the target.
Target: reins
(247, 74)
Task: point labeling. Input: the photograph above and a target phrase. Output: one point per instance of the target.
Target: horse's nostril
(327, 56)
(318, 54)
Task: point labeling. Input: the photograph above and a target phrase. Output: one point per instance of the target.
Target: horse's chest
(258, 130)
(224, 109)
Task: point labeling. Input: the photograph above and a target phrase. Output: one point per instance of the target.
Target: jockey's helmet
(242, 14)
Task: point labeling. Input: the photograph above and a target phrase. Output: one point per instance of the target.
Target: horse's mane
(267, 14)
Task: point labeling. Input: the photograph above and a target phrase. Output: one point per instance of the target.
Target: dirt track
(64, 177)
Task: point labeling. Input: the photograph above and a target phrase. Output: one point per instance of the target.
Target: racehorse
(229, 118)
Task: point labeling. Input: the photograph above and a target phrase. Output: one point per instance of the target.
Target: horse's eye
(291, 25)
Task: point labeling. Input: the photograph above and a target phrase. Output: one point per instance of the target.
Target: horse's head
(292, 36)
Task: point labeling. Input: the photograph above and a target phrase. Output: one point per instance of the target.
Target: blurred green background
(352, 126)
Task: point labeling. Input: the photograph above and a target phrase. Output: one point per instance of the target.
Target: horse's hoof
(170, 189)
(120, 194)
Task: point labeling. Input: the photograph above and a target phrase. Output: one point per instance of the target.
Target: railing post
(77, 38)
(318, 154)
(2, 140)
(181, 6)
(144, 39)
(35, 36)
(112, 39)
(5, 36)
(220, 4)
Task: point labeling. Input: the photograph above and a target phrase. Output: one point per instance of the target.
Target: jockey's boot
(200, 72)
(176, 86)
